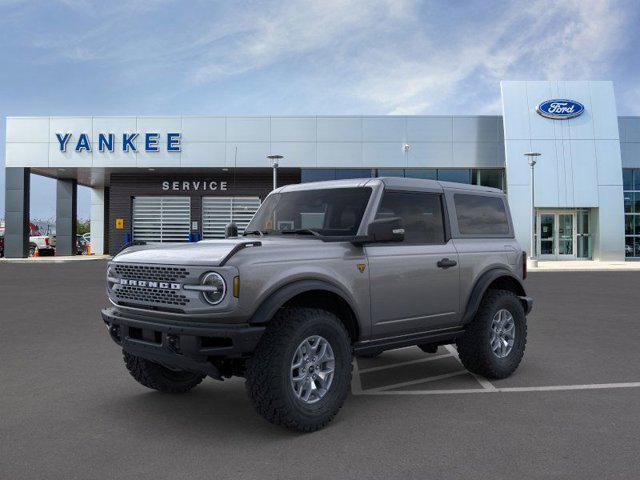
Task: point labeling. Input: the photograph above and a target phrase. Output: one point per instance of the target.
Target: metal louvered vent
(153, 273)
(161, 219)
(160, 296)
(217, 212)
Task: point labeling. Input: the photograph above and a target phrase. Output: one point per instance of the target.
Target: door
(547, 238)
(556, 235)
(161, 219)
(218, 211)
(566, 235)
(414, 284)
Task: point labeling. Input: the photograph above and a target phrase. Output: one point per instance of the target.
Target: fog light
(216, 288)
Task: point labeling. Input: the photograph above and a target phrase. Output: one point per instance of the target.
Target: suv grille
(153, 273)
(151, 295)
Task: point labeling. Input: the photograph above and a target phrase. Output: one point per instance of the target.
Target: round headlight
(216, 288)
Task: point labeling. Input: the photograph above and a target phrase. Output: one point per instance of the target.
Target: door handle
(446, 263)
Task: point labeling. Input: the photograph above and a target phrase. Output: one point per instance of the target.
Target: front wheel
(158, 377)
(494, 341)
(300, 373)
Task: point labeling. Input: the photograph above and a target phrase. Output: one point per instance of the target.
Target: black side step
(438, 337)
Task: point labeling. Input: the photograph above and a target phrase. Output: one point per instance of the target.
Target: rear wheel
(300, 373)
(158, 377)
(494, 342)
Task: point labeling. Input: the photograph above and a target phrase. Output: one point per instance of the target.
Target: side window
(421, 215)
(481, 215)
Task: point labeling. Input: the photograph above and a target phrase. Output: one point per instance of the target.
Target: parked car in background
(45, 243)
(81, 245)
(1, 242)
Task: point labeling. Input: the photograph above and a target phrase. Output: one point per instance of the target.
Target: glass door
(547, 241)
(556, 235)
(584, 246)
(566, 234)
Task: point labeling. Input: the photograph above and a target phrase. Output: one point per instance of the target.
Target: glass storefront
(487, 177)
(631, 182)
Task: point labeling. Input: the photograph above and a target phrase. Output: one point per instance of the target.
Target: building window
(487, 177)
(323, 174)
(631, 182)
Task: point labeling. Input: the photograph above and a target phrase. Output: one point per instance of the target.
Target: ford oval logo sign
(560, 109)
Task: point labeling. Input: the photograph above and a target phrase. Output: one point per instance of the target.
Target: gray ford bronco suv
(325, 271)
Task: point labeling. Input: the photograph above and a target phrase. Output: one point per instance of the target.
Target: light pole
(405, 151)
(531, 156)
(274, 163)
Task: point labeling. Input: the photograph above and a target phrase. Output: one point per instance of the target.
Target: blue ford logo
(560, 109)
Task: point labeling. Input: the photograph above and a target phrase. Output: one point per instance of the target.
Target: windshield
(328, 212)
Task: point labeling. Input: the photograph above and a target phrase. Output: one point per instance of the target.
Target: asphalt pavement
(69, 410)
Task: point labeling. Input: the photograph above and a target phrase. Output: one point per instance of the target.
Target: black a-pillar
(66, 217)
(17, 189)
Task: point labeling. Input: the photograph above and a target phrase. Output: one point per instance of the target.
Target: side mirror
(386, 230)
(231, 230)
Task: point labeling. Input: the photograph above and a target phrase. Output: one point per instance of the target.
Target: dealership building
(183, 178)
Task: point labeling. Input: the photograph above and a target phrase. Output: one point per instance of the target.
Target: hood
(207, 252)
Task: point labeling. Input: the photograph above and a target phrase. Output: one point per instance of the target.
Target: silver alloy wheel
(503, 333)
(312, 369)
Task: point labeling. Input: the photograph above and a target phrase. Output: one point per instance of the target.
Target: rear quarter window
(481, 215)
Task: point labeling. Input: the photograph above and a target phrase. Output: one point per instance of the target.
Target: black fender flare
(482, 285)
(282, 295)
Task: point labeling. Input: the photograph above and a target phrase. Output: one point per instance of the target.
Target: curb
(39, 260)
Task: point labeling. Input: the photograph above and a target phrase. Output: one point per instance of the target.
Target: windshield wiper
(301, 231)
(262, 233)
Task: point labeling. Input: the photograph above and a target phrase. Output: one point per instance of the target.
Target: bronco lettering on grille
(150, 284)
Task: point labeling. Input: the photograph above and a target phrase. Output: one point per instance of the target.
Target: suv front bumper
(186, 346)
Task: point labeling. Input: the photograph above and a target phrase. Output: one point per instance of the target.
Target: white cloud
(537, 40)
(392, 56)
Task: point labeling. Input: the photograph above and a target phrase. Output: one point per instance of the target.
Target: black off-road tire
(268, 372)
(474, 348)
(155, 376)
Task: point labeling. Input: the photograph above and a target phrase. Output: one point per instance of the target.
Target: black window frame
(443, 211)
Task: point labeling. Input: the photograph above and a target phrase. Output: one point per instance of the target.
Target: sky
(147, 57)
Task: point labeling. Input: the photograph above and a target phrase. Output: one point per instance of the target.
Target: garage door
(217, 212)
(161, 219)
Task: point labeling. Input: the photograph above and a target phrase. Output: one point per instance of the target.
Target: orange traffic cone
(36, 253)
(88, 248)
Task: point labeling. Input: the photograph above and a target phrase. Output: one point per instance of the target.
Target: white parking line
(487, 387)
(547, 388)
(484, 383)
(408, 362)
(416, 382)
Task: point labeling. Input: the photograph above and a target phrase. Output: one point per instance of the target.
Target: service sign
(560, 109)
(149, 141)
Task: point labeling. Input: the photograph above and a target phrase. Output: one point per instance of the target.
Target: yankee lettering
(129, 142)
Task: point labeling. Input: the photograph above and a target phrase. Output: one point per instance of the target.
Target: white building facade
(178, 178)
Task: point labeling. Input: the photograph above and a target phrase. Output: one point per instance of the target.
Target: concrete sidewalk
(583, 266)
(54, 259)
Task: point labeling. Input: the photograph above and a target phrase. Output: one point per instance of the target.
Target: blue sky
(76, 57)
